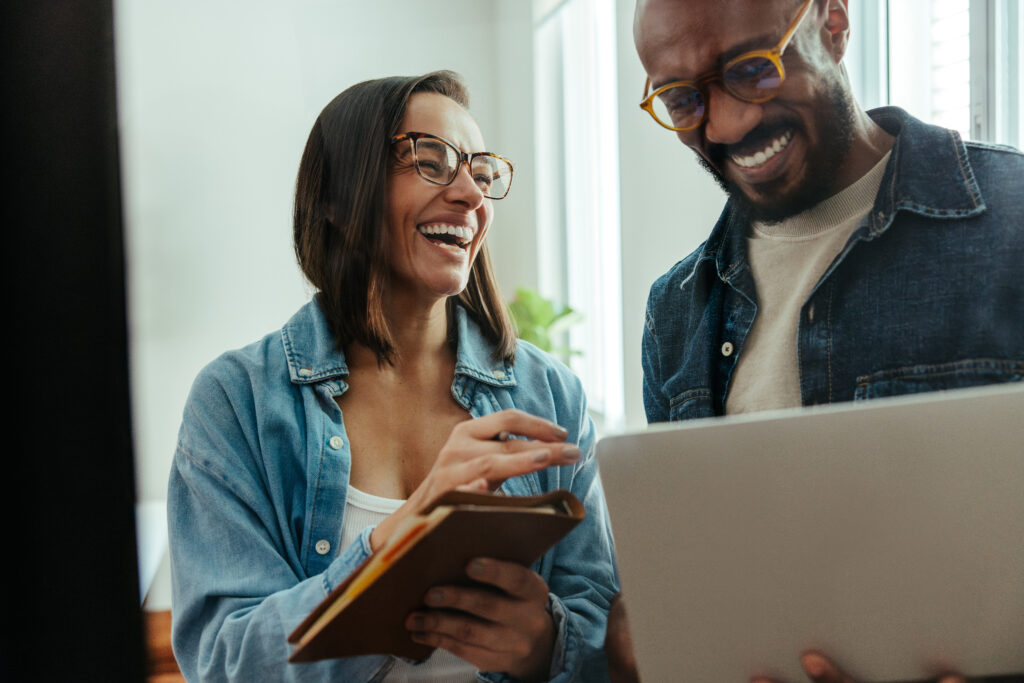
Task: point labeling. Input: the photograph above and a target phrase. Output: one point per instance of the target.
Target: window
(955, 63)
(578, 193)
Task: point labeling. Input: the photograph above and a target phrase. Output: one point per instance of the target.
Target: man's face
(775, 158)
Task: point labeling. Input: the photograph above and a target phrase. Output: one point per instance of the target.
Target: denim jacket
(927, 294)
(257, 495)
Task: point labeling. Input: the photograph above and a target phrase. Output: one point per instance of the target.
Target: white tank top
(362, 510)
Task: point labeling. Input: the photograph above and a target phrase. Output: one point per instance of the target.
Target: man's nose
(729, 118)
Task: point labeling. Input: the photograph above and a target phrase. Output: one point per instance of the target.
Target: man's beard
(834, 124)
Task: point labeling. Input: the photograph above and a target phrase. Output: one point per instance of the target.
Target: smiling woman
(302, 453)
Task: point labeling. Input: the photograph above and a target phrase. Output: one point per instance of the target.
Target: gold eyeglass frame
(773, 55)
(463, 158)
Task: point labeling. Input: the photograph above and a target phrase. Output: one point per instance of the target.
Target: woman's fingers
(504, 623)
(477, 485)
(513, 579)
(512, 422)
(497, 467)
(561, 453)
(448, 636)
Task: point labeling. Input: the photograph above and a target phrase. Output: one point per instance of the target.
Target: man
(860, 254)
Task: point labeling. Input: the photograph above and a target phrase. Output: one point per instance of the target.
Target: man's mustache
(754, 141)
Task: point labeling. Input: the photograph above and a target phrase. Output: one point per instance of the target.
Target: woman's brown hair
(340, 198)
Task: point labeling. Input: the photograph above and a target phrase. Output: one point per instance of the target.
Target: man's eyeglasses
(752, 77)
(438, 161)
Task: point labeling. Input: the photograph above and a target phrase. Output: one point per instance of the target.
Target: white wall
(215, 101)
(215, 106)
(669, 205)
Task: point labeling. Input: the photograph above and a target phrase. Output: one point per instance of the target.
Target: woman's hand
(505, 628)
(473, 458)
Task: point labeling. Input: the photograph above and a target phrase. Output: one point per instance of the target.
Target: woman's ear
(837, 23)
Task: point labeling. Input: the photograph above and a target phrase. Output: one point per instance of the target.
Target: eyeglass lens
(439, 163)
(754, 79)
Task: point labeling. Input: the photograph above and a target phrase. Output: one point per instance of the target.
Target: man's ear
(837, 23)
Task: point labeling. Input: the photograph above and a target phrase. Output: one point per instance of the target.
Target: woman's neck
(420, 337)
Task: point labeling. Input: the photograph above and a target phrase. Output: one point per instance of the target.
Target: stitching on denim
(205, 465)
(878, 218)
(693, 272)
(965, 169)
(689, 395)
(916, 372)
(288, 351)
(293, 361)
(828, 339)
(933, 212)
(468, 371)
(316, 495)
(993, 147)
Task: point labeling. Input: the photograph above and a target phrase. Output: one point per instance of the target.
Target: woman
(298, 455)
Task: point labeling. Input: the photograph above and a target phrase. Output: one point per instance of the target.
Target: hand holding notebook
(367, 613)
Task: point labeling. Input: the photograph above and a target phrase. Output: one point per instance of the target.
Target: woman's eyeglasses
(752, 77)
(438, 161)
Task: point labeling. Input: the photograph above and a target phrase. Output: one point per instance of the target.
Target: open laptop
(888, 534)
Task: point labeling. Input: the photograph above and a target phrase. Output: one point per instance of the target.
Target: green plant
(541, 323)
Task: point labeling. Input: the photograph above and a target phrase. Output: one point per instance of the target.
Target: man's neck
(870, 143)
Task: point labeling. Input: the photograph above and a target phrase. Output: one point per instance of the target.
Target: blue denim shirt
(927, 294)
(257, 496)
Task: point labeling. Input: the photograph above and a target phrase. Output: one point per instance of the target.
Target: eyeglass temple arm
(796, 24)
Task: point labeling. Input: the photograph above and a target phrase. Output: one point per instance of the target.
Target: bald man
(859, 254)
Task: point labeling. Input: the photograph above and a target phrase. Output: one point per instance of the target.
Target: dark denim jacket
(927, 294)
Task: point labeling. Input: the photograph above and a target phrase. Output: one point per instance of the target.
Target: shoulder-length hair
(340, 197)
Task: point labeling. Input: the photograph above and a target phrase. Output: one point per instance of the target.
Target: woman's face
(423, 264)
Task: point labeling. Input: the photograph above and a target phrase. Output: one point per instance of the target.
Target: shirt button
(810, 313)
(305, 372)
(727, 349)
(336, 442)
(323, 546)
(498, 374)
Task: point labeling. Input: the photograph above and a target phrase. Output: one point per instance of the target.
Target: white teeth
(764, 155)
(462, 232)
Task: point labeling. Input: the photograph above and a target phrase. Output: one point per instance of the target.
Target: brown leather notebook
(366, 613)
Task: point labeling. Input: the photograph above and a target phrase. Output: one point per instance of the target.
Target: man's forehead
(683, 38)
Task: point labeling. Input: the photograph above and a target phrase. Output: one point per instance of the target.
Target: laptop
(888, 534)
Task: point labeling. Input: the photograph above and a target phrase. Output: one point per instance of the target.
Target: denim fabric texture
(257, 495)
(927, 294)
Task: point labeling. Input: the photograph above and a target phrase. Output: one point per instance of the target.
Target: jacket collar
(312, 355)
(928, 173)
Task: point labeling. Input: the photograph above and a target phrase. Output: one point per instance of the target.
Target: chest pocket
(916, 379)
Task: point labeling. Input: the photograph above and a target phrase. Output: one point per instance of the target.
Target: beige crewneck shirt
(787, 259)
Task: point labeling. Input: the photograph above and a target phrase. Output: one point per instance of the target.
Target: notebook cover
(374, 622)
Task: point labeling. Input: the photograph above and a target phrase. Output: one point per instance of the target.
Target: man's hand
(505, 628)
(821, 669)
(618, 645)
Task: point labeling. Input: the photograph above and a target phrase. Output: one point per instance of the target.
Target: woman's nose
(464, 189)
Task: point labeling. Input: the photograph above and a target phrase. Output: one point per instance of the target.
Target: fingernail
(416, 623)
(561, 431)
(435, 596)
(477, 568)
(571, 452)
(541, 456)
